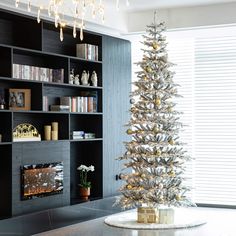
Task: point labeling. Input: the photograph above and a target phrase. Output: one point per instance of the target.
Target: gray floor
(87, 219)
(56, 218)
(220, 222)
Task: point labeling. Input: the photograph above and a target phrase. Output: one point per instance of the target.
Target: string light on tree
(155, 154)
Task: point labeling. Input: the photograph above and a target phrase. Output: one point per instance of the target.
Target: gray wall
(117, 86)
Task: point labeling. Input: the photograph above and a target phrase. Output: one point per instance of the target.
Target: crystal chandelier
(56, 10)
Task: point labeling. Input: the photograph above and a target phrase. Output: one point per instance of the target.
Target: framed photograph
(19, 99)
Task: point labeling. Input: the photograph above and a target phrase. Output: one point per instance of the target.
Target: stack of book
(38, 73)
(87, 51)
(77, 134)
(59, 108)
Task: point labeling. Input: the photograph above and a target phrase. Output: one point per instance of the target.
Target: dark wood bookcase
(24, 41)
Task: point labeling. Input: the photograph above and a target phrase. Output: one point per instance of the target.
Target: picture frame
(19, 99)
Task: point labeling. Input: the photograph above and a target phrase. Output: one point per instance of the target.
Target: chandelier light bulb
(74, 30)
(38, 16)
(61, 34)
(17, 3)
(29, 6)
(117, 5)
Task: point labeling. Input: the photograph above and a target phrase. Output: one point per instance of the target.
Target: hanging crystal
(61, 34)
(54, 9)
(56, 20)
(38, 16)
(29, 6)
(17, 3)
(117, 5)
(81, 30)
(74, 30)
(50, 8)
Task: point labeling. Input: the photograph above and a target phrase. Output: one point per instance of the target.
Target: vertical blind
(206, 71)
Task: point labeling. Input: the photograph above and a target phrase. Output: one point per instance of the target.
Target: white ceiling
(139, 5)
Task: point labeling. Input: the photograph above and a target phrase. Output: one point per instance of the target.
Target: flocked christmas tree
(155, 153)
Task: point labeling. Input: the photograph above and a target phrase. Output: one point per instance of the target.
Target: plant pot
(84, 193)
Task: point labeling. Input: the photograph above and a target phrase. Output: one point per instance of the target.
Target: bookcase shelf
(32, 65)
(28, 49)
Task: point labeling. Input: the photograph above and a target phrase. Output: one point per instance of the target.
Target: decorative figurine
(94, 79)
(72, 77)
(76, 80)
(85, 78)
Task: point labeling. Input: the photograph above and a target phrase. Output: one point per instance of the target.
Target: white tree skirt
(184, 218)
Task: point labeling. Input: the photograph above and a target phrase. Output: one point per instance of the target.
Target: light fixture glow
(81, 9)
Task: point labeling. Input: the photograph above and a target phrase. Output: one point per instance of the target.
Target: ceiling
(139, 5)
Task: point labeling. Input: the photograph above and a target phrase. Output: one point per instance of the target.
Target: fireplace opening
(41, 180)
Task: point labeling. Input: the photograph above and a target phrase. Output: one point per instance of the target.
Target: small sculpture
(94, 79)
(85, 78)
(76, 80)
(72, 77)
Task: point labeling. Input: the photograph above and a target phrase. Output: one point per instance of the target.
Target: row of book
(87, 51)
(72, 104)
(38, 73)
(80, 103)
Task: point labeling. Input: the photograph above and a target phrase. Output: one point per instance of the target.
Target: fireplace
(41, 180)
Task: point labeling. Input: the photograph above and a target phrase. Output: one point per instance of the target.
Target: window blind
(212, 94)
(215, 120)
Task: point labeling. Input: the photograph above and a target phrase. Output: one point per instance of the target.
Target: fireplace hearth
(41, 180)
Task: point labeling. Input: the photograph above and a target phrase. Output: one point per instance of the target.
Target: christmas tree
(155, 153)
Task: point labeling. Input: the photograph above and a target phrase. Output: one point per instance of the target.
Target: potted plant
(85, 185)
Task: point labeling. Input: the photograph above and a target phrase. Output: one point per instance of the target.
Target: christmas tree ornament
(129, 187)
(132, 101)
(156, 130)
(158, 153)
(156, 161)
(148, 69)
(143, 176)
(171, 142)
(129, 131)
(158, 101)
(155, 45)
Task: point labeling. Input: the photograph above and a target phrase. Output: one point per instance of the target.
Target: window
(206, 71)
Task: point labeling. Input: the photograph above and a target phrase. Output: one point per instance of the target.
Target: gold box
(147, 215)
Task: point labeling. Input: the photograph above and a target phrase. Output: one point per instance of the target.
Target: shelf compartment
(17, 30)
(39, 120)
(86, 123)
(80, 66)
(6, 126)
(87, 140)
(52, 43)
(38, 59)
(36, 91)
(53, 94)
(5, 183)
(5, 58)
(86, 153)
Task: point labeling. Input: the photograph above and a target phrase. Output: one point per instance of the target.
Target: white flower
(86, 168)
(91, 168)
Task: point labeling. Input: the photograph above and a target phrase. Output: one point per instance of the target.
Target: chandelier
(56, 10)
